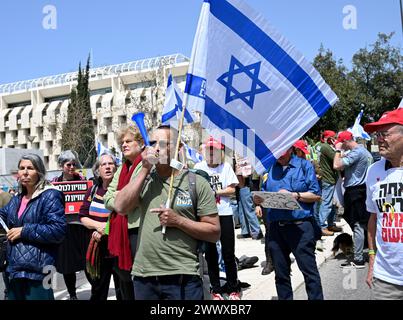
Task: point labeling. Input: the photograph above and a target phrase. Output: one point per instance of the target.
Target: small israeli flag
(173, 105)
(192, 154)
(102, 149)
(357, 130)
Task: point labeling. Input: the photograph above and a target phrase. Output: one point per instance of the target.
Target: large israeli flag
(357, 130)
(255, 90)
(173, 105)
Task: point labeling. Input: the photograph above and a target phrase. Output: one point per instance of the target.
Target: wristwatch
(338, 151)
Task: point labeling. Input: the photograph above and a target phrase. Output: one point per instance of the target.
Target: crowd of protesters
(153, 249)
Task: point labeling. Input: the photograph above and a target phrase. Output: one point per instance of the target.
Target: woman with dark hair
(71, 255)
(37, 224)
(94, 216)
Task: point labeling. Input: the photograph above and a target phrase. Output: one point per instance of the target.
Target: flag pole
(401, 13)
(171, 182)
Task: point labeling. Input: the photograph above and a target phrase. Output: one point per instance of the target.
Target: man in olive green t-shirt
(166, 265)
(327, 212)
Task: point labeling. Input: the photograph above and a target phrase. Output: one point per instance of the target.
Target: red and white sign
(74, 193)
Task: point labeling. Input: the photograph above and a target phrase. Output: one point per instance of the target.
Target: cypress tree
(78, 132)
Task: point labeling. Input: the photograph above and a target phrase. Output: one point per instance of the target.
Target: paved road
(339, 284)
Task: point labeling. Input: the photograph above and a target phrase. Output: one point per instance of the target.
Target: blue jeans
(327, 212)
(247, 216)
(174, 287)
(299, 240)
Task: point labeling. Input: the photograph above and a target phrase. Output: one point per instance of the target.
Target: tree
(78, 132)
(335, 74)
(378, 77)
(374, 84)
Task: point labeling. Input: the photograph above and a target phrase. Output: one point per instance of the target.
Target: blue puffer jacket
(44, 227)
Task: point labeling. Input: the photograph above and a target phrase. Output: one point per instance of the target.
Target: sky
(119, 31)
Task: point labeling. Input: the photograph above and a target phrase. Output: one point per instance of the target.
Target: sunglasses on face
(71, 165)
(161, 143)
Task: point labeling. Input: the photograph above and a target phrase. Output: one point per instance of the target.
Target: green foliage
(374, 84)
(78, 132)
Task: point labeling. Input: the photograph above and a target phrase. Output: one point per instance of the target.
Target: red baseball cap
(327, 134)
(389, 117)
(210, 142)
(344, 136)
(301, 145)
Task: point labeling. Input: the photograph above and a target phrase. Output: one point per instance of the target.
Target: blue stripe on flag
(195, 86)
(225, 120)
(271, 51)
(169, 80)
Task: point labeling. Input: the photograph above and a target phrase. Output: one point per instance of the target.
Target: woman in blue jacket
(37, 224)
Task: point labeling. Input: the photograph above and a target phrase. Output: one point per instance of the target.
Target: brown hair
(132, 129)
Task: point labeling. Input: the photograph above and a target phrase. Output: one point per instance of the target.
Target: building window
(144, 84)
(57, 98)
(101, 91)
(19, 104)
(122, 120)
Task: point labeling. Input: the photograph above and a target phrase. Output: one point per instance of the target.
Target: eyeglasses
(382, 134)
(71, 165)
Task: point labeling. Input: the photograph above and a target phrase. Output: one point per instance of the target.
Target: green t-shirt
(133, 216)
(329, 175)
(176, 251)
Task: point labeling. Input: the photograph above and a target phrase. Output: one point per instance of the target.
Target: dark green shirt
(326, 164)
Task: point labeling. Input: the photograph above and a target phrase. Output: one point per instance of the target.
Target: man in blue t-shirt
(293, 231)
(355, 164)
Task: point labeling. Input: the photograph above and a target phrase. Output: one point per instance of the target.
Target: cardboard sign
(278, 200)
(74, 193)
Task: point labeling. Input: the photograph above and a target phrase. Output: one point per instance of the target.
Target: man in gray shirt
(355, 163)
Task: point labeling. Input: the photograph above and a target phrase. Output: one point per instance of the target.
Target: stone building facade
(32, 113)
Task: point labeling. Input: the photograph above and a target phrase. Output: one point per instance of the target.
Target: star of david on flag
(256, 93)
(252, 71)
(357, 130)
(173, 105)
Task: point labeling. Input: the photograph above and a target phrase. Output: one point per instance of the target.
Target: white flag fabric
(357, 130)
(400, 105)
(255, 91)
(192, 154)
(173, 105)
(102, 149)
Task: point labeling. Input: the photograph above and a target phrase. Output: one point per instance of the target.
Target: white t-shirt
(221, 177)
(387, 186)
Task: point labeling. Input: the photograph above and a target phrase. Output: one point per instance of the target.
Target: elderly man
(293, 231)
(385, 203)
(355, 162)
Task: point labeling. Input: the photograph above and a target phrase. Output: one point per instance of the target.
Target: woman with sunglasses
(71, 254)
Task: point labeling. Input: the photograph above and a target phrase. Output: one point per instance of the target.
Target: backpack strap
(94, 190)
(192, 191)
(193, 197)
